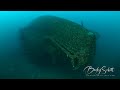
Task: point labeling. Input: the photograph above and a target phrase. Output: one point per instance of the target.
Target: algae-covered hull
(63, 41)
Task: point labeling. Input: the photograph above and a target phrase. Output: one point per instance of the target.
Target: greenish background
(14, 64)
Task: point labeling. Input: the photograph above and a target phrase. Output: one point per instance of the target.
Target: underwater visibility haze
(97, 31)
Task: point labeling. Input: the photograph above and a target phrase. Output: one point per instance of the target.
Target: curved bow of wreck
(65, 41)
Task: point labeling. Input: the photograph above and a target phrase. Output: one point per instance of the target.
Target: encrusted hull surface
(59, 38)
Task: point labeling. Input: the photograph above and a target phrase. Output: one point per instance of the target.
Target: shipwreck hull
(58, 42)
